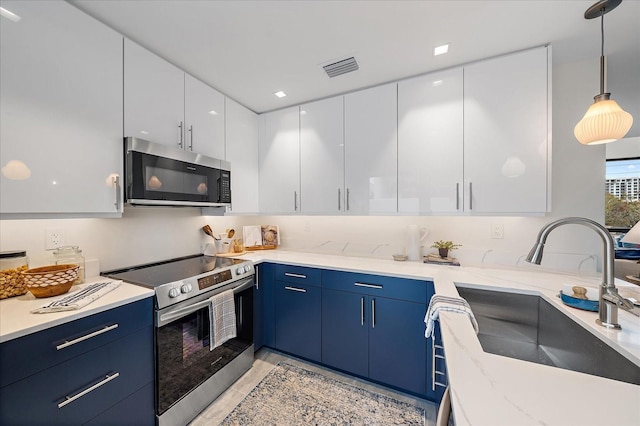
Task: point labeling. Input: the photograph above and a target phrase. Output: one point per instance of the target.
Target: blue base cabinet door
(345, 331)
(263, 307)
(297, 319)
(397, 346)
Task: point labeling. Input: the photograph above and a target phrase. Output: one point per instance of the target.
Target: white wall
(150, 234)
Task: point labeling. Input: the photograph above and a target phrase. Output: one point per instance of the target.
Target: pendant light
(604, 121)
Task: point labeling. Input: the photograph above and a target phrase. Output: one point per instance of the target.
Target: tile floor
(265, 360)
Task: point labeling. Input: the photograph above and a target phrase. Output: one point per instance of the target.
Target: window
(622, 203)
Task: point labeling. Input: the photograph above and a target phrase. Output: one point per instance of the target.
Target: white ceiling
(250, 49)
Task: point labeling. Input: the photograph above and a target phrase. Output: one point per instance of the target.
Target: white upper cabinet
(204, 118)
(280, 161)
(322, 156)
(163, 104)
(371, 166)
(242, 152)
(430, 143)
(61, 111)
(153, 97)
(507, 133)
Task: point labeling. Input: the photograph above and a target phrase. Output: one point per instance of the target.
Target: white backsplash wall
(379, 237)
(144, 234)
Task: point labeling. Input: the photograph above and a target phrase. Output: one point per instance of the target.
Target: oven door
(183, 356)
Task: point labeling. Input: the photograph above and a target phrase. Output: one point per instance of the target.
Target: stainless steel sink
(529, 328)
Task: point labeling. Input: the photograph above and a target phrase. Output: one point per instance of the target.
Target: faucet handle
(613, 297)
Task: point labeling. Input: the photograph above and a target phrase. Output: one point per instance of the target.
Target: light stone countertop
(16, 319)
(487, 389)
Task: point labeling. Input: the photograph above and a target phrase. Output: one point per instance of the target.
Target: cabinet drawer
(137, 409)
(87, 385)
(298, 274)
(298, 320)
(377, 285)
(22, 357)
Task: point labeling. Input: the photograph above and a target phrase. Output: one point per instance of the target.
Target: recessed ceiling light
(144, 132)
(303, 112)
(213, 112)
(437, 83)
(9, 15)
(441, 50)
(280, 94)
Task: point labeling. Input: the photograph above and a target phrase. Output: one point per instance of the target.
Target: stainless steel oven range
(189, 375)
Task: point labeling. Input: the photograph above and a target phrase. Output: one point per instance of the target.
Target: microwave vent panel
(341, 67)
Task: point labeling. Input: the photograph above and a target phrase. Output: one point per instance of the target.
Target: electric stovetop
(153, 275)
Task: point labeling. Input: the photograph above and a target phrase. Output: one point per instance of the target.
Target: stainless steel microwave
(162, 175)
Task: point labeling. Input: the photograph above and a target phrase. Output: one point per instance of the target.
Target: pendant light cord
(602, 52)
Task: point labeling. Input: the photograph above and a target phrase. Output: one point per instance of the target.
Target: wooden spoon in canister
(207, 230)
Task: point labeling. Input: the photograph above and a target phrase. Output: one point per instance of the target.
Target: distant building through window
(622, 204)
(623, 179)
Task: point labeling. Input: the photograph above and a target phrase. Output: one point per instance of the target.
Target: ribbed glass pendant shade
(603, 122)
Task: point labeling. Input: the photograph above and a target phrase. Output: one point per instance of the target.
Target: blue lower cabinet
(345, 331)
(297, 319)
(397, 347)
(264, 307)
(138, 407)
(77, 390)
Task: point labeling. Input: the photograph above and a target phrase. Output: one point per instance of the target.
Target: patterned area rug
(290, 395)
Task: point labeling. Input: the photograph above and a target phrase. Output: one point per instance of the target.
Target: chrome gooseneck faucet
(610, 300)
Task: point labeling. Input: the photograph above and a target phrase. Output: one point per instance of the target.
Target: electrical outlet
(54, 238)
(497, 230)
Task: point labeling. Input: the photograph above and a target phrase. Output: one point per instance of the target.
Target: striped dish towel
(450, 304)
(79, 299)
(222, 318)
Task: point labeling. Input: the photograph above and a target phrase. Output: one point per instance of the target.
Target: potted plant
(444, 247)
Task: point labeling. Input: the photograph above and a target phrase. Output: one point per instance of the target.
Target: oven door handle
(177, 313)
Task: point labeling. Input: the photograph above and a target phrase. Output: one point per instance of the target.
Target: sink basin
(529, 328)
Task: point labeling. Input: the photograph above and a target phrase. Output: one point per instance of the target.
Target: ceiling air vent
(341, 67)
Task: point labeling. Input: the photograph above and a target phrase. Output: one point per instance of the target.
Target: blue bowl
(574, 302)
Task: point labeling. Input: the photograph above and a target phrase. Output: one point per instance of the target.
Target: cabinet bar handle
(362, 311)
(116, 185)
(86, 336)
(347, 199)
(301, 290)
(291, 274)
(70, 399)
(191, 138)
(295, 200)
(367, 285)
(181, 143)
(470, 196)
(457, 195)
(257, 278)
(373, 313)
(339, 206)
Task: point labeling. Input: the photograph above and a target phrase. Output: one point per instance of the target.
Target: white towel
(79, 299)
(450, 304)
(222, 318)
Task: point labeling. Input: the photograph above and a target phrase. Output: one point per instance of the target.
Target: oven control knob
(240, 270)
(174, 292)
(185, 288)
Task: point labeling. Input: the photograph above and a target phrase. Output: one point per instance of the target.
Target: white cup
(209, 250)
(223, 245)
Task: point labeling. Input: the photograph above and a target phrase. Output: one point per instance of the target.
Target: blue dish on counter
(574, 302)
